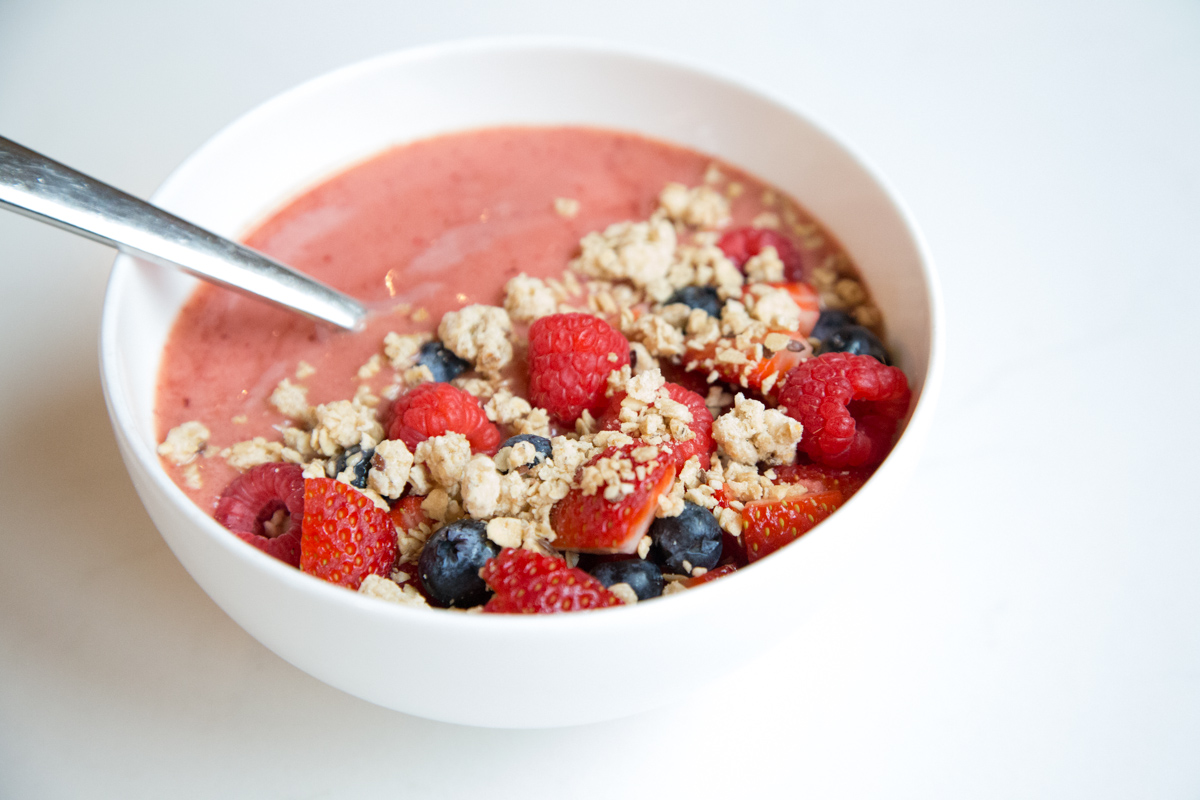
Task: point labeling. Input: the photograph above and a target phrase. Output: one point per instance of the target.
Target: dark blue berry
(644, 577)
(839, 333)
(450, 563)
(829, 321)
(540, 443)
(444, 365)
(693, 537)
(357, 459)
(704, 297)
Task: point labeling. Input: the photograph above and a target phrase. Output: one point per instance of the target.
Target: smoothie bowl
(493, 200)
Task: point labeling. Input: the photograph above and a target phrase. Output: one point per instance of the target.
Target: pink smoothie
(434, 225)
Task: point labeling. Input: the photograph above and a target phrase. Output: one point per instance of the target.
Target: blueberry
(694, 536)
(644, 577)
(444, 365)
(704, 297)
(359, 460)
(838, 333)
(450, 563)
(830, 321)
(540, 443)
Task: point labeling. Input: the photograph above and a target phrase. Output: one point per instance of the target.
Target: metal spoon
(46, 190)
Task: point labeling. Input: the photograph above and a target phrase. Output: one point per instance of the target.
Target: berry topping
(644, 577)
(433, 409)
(594, 523)
(345, 536)
(702, 297)
(748, 362)
(701, 444)
(849, 406)
(531, 583)
(442, 363)
(542, 449)
(357, 460)
(819, 478)
(264, 506)
(839, 333)
(680, 544)
(770, 524)
(711, 575)
(570, 357)
(740, 244)
(450, 563)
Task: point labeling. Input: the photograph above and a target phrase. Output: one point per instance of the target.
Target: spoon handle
(46, 190)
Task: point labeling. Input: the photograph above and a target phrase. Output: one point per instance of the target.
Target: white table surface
(1033, 630)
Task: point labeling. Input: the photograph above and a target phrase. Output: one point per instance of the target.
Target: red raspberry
(433, 409)
(532, 583)
(265, 506)
(740, 244)
(702, 421)
(849, 406)
(570, 356)
(346, 537)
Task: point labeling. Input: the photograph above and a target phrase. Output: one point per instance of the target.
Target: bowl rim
(124, 270)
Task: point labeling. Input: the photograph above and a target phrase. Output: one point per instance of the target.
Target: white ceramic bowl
(493, 670)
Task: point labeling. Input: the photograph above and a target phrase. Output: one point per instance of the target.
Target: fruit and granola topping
(697, 381)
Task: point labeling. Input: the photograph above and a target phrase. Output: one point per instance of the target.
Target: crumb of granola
(184, 442)
(480, 487)
(506, 531)
(291, 400)
(305, 370)
(244, 455)
(479, 334)
(624, 593)
(527, 299)
(390, 467)
(566, 207)
(445, 457)
(342, 424)
(698, 207)
(765, 266)
(385, 589)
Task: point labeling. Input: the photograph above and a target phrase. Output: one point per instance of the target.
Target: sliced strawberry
(525, 582)
(752, 373)
(407, 513)
(701, 444)
(264, 506)
(591, 524)
(770, 524)
(820, 478)
(345, 536)
(711, 575)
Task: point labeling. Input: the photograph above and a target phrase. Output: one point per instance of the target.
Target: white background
(1033, 630)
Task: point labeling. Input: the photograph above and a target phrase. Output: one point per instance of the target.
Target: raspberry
(570, 356)
(531, 583)
(740, 244)
(433, 409)
(702, 422)
(849, 406)
(264, 506)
